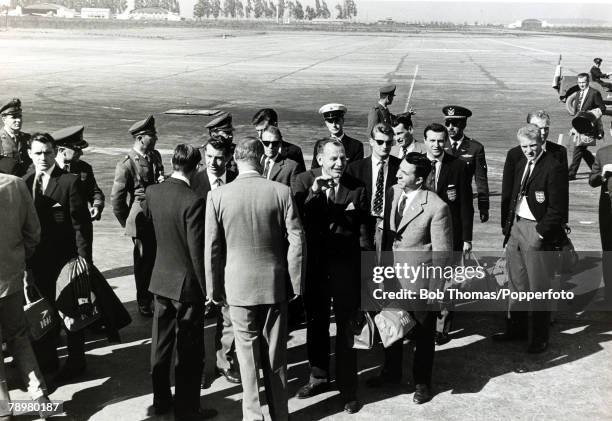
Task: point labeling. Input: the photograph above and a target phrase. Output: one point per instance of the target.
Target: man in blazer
(378, 173)
(534, 205)
(217, 154)
(541, 119)
(418, 223)
(601, 175)
(268, 117)
(276, 166)
(449, 179)
(178, 286)
(469, 151)
(66, 232)
(333, 115)
(335, 211)
(254, 221)
(404, 140)
(587, 99)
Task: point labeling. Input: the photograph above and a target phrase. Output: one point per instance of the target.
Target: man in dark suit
(587, 99)
(534, 204)
(469, 151)
(255, 222)
(276, 166)
(449, 178)
(267, 117)
(217, 154)
(380, 112)
(335, 211)
(601, 175)
(178, 285)
(416, 220)
(14, 142)
(597, 75)
(66, 232)
(333, 115)
(378, 173)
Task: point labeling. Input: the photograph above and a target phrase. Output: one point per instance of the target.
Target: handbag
(494, 276)
(393, 325)
(39, 313)
(76, 303)
(361, 331)
(567, 255)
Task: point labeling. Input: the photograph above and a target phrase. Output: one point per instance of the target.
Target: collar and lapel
(444, 169)
(279, 163)
(415, 209)
(53, 181)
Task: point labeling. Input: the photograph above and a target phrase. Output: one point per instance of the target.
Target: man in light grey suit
(254, 260)
(417, 230)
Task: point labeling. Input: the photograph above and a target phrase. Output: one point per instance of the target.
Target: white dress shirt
(212, 179)
(409, 198)
(522, 208)
(46, 176)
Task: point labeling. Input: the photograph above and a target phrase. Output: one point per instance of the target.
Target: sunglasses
(381, 142)
(455, 123)
(268, 143)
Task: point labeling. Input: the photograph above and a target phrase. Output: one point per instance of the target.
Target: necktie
(579, 102)
(400, 210)
(331, 195)
(37, 187)
(431, 180)
(455, 148)
(525, 178)
(267, 168)
(218, 182)
(150, 169)
(377, 207)
(67, 167)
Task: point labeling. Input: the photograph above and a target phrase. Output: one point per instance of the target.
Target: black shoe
(442, 338)
(145, 310)
(231, 375)
(537, 347)
(70, 371)
(421, 394)
(383, 379)
(351, 407)
(202, 414)
(311, 389)
(509, 335)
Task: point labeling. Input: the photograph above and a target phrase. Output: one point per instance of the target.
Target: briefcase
(76, 303)
(361, 331)
(39, 313)
(393, 325)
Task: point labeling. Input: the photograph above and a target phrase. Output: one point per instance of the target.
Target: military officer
(14, 142)
(333, 115)
(468, 150)
(70, 145)
(380, 113)
(221, 128)
(140, 168)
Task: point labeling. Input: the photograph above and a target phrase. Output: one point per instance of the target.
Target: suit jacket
(473, 154)
(455, 189)
(255, 251)
(177, 214)
(592, 100)
(516, 155)
(378, 114)
(547, 197)
(200, 183)
(92, 194)
(17, 149)
(66, 229)
(284, 171)
(293, 152)
(419, 147)
(19, 230)
(352, 147)
(602, 157)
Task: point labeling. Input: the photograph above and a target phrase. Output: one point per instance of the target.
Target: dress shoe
(421, 394)
(145, 310)
(70, 371)
(509, 335)
(202, 414)
(160, 407)
(311, 389)
(442, 338)
(231, 374)
(351, 407)
(383, 379)
(537, 347)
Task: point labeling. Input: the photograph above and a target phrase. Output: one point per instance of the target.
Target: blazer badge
(539, 196)
(451, 192)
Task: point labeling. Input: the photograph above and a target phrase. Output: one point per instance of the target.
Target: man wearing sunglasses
(469, 151)
(380, 113)
(276, 166)
(333, 115)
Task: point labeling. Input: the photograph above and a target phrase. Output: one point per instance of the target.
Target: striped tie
(377, 207)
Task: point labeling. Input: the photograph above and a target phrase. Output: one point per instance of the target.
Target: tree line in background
(272, 9)
(169, 5)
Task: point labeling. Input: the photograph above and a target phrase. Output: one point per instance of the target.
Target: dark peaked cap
(11, 107)
(70, 137)
(388, 89)
(146, 126)
(456, 111)
(222, 122)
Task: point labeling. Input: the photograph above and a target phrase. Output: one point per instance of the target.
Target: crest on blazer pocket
(451, 192)
(540, 197)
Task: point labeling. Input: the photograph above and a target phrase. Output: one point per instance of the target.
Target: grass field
(106, 81)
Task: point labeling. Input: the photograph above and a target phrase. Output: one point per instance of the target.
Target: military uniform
(15, 147)
(353, 148)
(380, 113)
(133, 174)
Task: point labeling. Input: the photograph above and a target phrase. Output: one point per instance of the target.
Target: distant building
(529, 24)
(386, 21)
(48, 9)
(95, 13)
(151, 13)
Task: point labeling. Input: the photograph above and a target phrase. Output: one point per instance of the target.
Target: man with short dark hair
(335, 212)
(267, 117)
(14, 142)
(597, 75)
(179, 288)
(275, 166)
(404, 140)
(255, 222)
(380, 113)
(333, 115)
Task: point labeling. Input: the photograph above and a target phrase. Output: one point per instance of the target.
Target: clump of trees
(271, 9)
